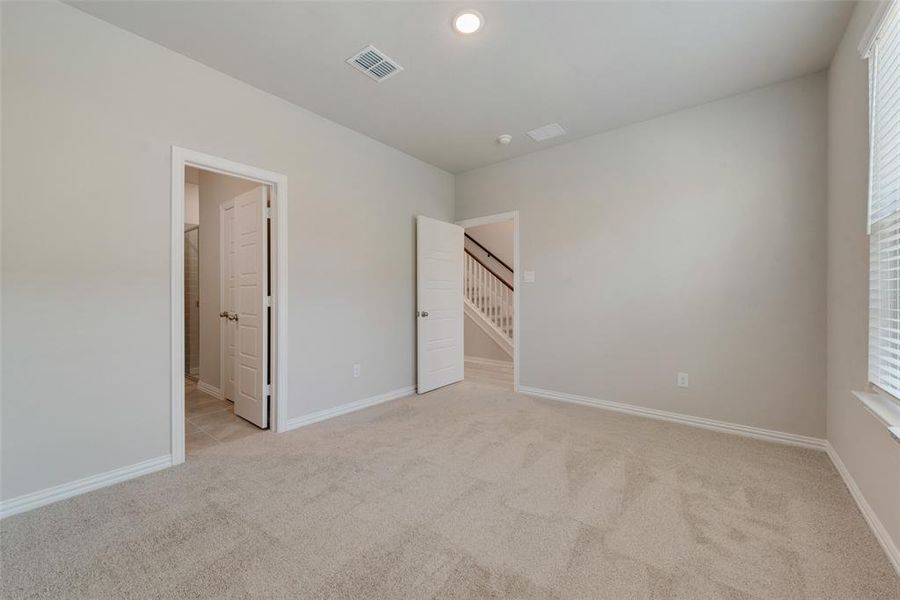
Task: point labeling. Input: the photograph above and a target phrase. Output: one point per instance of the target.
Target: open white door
(439, 299)
(251, 345)
(227, 298)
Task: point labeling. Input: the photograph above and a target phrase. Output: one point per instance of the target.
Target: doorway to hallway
(229, 274)
(490, 285)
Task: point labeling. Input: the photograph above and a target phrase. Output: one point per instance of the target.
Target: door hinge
(268, 389)
(268, 212)
(268, 302)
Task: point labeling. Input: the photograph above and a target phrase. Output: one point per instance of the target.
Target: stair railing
(489, 294)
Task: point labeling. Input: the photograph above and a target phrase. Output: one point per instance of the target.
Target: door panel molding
(439, 304)
(250, 285)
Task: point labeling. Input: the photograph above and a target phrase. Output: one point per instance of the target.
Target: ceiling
(589, 66)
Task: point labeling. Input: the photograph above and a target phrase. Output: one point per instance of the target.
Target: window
(884, 205)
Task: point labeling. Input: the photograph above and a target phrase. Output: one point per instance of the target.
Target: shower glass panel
(192, 302)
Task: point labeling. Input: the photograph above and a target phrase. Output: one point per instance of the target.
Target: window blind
(884, 206)
(884, 304)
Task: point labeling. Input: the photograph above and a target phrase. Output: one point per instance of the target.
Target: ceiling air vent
(374, 63)
(546, 132)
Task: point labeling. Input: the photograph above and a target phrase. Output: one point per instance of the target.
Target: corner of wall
(859, 445)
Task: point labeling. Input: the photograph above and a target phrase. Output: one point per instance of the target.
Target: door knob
(224, 313)
(424, 313)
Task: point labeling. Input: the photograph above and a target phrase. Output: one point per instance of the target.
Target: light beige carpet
(468, 492)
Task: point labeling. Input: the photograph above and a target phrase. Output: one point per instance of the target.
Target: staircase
(489, 301)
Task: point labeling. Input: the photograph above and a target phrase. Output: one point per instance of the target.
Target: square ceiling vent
(374, 63)
(546, 132)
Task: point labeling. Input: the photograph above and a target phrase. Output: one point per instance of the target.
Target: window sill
(886, 410)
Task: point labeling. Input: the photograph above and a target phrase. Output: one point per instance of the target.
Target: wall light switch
(528, 276)
(356, 370)
(682, 380)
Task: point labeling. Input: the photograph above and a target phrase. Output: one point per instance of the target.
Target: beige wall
(496, 237)
(861, 441)
(191, 204)
(89, 119)
(478, 344)
(192, 175)
(215, 188)
(692, 242)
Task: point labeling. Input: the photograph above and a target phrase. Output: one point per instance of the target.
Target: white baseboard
(881, 534)
(211, 390)
(343, 409)
(488, 362)
(56, 493)
(781, 437)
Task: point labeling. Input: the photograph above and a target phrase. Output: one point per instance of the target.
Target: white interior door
(228, 299)
(251, 344)
(439, 299)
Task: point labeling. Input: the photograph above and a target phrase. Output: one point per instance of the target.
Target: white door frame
(517, 331)
(182, 157)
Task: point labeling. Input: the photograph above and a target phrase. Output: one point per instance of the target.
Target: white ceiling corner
(589, 66)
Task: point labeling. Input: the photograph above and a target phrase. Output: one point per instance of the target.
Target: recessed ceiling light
(468, 21)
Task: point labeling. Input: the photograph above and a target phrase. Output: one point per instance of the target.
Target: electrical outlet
(682, 380)
(356, 370)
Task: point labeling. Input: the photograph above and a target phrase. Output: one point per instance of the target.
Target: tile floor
(210, 421)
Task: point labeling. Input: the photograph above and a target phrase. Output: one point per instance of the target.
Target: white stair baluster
(490, 295)
(469, 277)
(503, 289)
(492, 283)
(494, 300)
(506, 310)
(481, 291)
